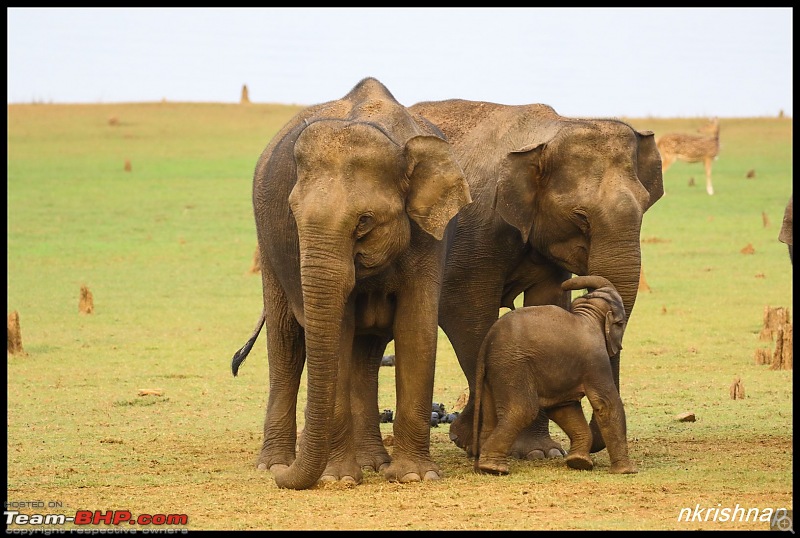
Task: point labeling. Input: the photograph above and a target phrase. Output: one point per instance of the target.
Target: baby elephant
(545, 357)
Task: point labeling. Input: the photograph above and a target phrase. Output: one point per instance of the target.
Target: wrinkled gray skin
(552, 196)
(353, 203)
(785, 235)
(525, 364)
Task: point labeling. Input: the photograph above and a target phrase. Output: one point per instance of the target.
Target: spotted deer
(691, 149)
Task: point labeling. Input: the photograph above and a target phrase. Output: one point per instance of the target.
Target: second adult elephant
(552, 196)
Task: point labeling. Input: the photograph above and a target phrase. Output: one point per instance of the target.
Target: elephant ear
(649, 166)
(520, 172)
(615, 320)
(614, 332)
(438, 188)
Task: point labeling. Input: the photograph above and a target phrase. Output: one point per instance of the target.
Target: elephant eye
(582, 221)
(365, 223)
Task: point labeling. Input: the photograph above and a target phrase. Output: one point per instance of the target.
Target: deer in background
(691, 149)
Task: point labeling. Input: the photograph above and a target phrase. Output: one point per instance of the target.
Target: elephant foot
(492, 465)
(276, 468)
(274, 460)
(625, 467)
(373, 458)
(531, 446)
(405, 470)
(461, 432)
(376, 465)
(343, 472)
(580, 462)
(345, 481)
(598, 443)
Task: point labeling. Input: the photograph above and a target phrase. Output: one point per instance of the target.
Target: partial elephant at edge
(787, 227)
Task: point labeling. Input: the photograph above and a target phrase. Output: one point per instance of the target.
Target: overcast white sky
(635, 62)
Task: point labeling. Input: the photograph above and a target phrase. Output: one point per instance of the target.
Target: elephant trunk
(621, 265)
(327, 281)
(618, 260)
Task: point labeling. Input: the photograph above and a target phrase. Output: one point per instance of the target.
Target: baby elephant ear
(615, 329)
(438, 189)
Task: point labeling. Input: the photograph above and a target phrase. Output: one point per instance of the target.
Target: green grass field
(166, 250)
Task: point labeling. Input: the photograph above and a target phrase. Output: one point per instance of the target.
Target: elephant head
(360, 191)
(602, 296)
(578, 198)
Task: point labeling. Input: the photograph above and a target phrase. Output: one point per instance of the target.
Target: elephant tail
(241, 355)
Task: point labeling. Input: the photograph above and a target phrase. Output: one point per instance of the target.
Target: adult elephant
(353, 202)
(552, 196)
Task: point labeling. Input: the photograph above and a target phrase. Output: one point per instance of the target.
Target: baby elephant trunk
(591, 282)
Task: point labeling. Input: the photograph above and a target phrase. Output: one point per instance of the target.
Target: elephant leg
(465, 325)
(367, 354)
(610, 413)
(286, 358)
(598, 442)
(570, 418)
(415, 339)
(534, 441)
(342, 464)
(518, 409)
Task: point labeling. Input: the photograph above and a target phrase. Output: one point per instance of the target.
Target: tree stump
(737, 389)
(245, 96)
(86, 302)
(782, 357)
(774, 319)
(777, 327)
(14, 335)
(763, 356)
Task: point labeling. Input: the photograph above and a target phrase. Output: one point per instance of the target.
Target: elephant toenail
(410, 477)
(535, 455)
(262, 466)
(349, 481)
(431, 475)
(326, 478)
(277, 468)
(554, 453)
